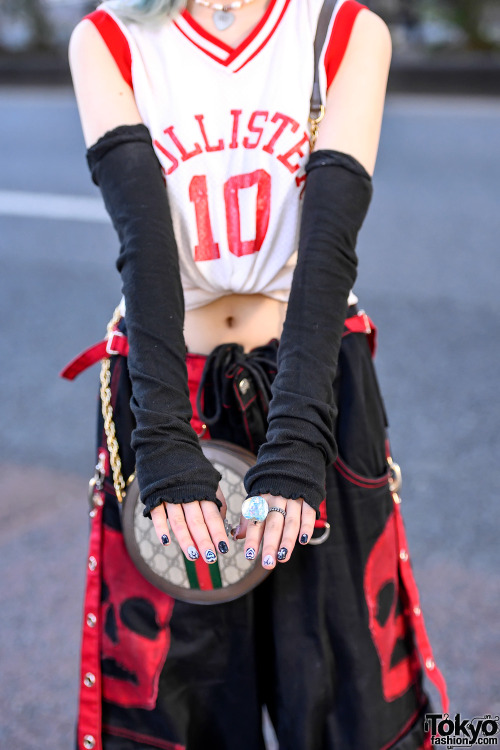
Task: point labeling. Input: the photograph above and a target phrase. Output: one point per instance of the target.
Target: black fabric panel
(300, 437)
(170, 464)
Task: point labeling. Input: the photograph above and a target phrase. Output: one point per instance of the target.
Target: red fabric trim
(411, 721)
(339, 38)
(204, 33)
(417, 621)
(195, 364)
(267, 38)
(198, 46)
(115, 41)
(320, 522)
(142, 739)
(361, 323)
(233, 52)
(258, 29)
(203, 573)
(357, 479)
(90, 707)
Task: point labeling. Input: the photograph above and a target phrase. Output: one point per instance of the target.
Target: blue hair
(145, 10)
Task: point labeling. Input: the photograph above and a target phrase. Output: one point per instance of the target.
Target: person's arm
(174, 476)
(105, 101)
(300, 441)
(355, 100)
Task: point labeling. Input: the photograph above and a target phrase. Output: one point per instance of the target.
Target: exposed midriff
(247, 319)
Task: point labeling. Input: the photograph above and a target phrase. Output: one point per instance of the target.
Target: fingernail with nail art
(250, 553)
(210, 556)
(304, 539)
(164, 539)
(223, 547)
(282, 553)
(268, 560)
(192, 553)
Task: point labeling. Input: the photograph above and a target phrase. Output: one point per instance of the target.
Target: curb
(35, 69)
(476, 77)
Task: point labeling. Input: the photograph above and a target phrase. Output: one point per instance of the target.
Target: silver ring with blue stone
(255, 509)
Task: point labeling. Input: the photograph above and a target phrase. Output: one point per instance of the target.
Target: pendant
(223, 19)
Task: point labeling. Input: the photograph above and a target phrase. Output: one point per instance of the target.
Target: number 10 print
(207, 248)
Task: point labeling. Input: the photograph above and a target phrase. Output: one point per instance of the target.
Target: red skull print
(388, 625)
(135, 635)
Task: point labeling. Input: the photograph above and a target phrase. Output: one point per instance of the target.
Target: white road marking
(52, 206)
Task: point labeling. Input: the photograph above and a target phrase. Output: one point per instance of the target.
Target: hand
(280, 534)
(195, 525)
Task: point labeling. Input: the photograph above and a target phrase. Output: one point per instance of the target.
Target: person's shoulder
(100, 41)
(85, 38)
(98, 27)
(372, 32)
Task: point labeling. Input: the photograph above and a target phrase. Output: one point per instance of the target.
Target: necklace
(223, 18)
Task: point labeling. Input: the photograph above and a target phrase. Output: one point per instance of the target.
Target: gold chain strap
(107, 413)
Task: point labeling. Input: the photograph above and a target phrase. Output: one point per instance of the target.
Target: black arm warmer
(300, 437)
(170, 464)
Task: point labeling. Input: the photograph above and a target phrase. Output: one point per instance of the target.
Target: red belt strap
(361, 323)
(116, 344)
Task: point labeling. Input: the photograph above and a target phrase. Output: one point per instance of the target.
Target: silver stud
(417, 611)
(244, 386)
(88, 742)
(93, 513)
(429, 663)
(92, 563)
(98, 501)
(403, 555)
(91, 620)
(89, 680)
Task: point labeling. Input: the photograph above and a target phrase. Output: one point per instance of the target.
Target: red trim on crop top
(339, 38)
(115, 41)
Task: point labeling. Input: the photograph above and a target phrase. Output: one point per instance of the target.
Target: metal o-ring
(324, 536)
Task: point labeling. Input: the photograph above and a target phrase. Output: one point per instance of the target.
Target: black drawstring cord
(224, 362)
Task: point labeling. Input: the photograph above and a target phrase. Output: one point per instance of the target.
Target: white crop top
(230, 129)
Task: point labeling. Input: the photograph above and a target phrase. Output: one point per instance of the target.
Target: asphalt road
(430, 272)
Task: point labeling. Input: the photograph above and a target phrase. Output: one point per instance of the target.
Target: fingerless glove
(300, 436)
(169, 462)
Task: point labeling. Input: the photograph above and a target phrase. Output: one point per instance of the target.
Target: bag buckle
(395, 476)
(111, 340)
(366, 321)
(314, 120)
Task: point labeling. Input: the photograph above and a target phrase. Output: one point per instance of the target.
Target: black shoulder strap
(321, 31)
